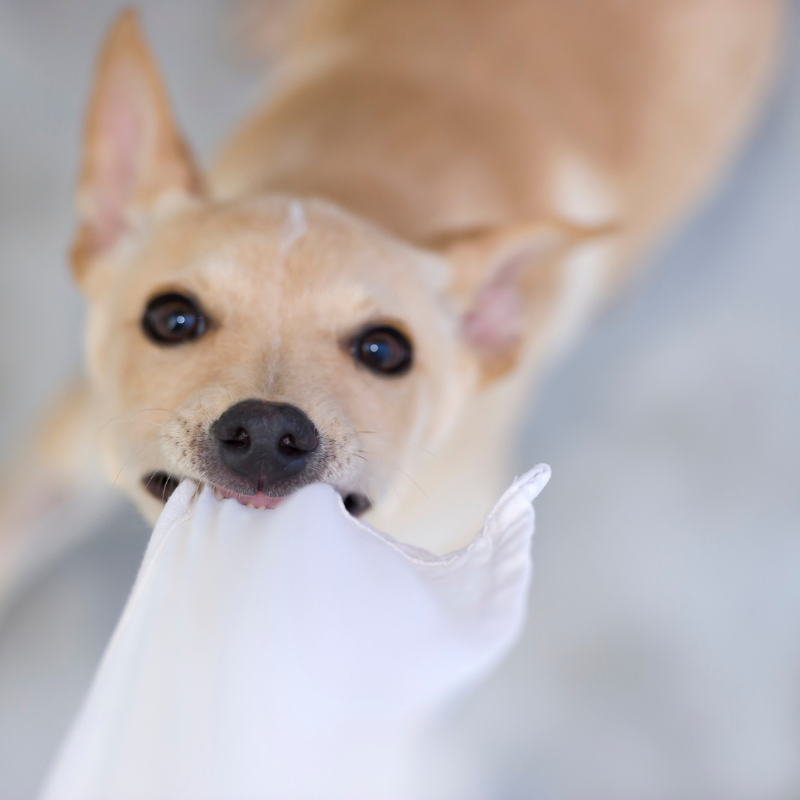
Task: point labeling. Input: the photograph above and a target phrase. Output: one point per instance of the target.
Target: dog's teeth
(250, 505)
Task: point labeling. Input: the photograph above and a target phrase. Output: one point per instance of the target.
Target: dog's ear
(509, 282)
(134, 156)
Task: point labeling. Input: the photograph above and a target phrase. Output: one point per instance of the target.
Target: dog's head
(263, 344)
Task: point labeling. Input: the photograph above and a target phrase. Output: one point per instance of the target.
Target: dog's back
(438, 117)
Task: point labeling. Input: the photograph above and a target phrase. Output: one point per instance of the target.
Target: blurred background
(662, 654)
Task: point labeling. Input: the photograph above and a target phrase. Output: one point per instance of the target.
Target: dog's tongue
(259, 500)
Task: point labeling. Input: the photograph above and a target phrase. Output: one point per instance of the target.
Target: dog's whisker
(391, 482)
(367, 495)
(127, 418)
(149, 480)
(387, 439)
(399, 469)
(133, 455)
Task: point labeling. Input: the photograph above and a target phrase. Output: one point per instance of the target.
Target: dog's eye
(384, 350)
(173, 319)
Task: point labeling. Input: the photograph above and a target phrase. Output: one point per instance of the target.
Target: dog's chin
(161, 485)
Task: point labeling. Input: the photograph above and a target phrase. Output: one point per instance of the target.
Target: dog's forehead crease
(247, 277)
(294, 227)
(296, 234)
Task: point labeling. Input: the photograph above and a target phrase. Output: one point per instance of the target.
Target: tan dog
(434, 200)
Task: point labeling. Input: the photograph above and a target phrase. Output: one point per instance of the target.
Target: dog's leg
(50, 491)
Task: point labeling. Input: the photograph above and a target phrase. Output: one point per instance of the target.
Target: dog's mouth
(161, 485)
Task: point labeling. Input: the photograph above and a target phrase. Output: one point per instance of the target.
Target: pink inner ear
(493, 325)
(118, 141)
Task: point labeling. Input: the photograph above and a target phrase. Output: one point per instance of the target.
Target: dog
(431, 205)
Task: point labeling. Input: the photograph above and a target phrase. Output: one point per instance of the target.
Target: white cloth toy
(293, 653)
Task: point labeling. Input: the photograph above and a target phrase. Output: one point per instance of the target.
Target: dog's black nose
(264, 442)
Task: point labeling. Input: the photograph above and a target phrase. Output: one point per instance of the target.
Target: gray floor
(662, 657)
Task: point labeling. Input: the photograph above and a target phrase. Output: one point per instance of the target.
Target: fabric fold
(293, 653)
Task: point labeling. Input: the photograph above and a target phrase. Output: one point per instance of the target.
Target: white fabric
(293, 653)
